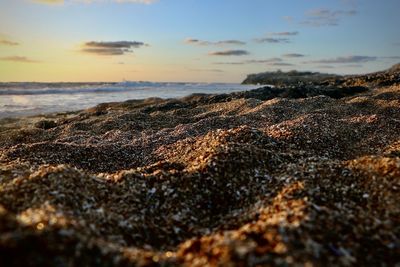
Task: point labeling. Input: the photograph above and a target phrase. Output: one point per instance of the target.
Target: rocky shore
(295, 175)
(298, 78)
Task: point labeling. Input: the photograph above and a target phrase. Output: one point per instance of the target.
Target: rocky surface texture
(382, 78)
(271, 177)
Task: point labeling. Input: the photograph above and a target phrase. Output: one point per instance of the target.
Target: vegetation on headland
(287, 78)
(294, 78)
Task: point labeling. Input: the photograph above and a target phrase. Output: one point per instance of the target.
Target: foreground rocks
(245, 179)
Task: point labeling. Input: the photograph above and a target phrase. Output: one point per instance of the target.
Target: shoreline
(32, 99)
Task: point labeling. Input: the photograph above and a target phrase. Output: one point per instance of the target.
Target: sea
(26, 99)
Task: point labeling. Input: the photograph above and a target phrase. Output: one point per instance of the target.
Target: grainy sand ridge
(230, 180)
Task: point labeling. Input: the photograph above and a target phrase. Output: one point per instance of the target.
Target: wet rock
(45, 124)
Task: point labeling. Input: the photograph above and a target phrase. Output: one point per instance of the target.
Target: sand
(223, 180)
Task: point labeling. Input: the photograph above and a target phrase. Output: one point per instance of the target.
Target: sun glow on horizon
(115, 40)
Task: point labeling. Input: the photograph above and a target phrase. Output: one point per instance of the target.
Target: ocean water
(22, 99)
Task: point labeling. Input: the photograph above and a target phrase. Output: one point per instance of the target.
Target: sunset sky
(193, 40)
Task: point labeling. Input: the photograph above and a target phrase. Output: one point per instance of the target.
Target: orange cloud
(18, 59)
(8, 42)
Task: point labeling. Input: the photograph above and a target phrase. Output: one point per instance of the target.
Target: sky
(193, 40)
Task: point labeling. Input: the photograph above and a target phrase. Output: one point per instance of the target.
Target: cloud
(230, 42)
(326, 17)
(196, 42)
(285, 33)
(206, 70)
(229, 53)
(276, 40)
(18, 59)
(345, 60)
(269, 61)
(230, 63)
(281, 64)
(326, 67)
(263, 61)
(111, 48)
(8, 42)
(272, 40)
(293, 55)
(207, 43)
(55, 2)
